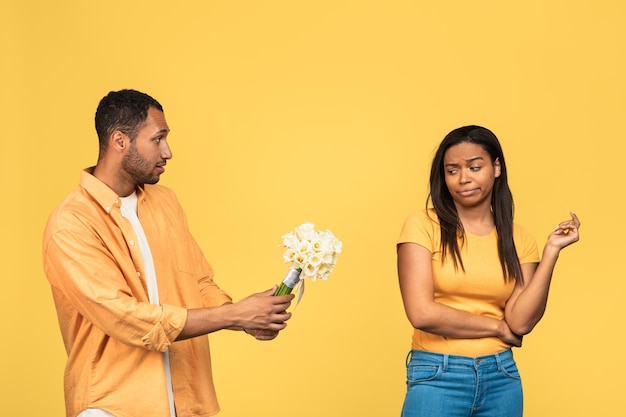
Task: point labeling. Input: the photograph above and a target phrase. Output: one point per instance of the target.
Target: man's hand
(262, 334)
(260, 313)
(263, 312)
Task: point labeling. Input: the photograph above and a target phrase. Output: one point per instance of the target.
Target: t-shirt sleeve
(419, 228)
(526, 246)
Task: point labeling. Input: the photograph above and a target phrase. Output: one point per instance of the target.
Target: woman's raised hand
(565, 233)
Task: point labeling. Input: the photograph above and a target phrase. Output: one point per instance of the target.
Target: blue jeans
(441, 385)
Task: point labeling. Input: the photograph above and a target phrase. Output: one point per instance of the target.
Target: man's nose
(166, 152)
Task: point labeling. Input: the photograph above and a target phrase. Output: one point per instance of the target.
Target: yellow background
(326, 111)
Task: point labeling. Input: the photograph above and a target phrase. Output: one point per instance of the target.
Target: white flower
(314, 253)
(289, 240)
(289, 255)
(324, 271)
(305, 231)
(310, 271)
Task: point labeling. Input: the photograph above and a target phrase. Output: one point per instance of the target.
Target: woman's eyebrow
(467, 161)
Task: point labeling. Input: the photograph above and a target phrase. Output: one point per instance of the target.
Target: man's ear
(497, 168)
(119, 141)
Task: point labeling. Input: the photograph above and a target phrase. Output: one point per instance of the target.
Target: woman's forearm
(450, 322)
(524, 312)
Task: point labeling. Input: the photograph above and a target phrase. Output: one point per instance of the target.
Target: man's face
(147, 156)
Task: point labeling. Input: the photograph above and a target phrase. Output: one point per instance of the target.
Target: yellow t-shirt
(480, 289)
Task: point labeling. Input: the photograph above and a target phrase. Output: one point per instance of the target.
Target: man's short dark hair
(124, 110)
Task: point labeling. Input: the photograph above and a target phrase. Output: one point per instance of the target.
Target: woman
(471, 283)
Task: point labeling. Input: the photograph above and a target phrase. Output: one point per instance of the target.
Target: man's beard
(138, 168)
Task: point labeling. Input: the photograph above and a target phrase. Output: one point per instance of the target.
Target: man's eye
(157, 140)
(452, 171)
(475, 168)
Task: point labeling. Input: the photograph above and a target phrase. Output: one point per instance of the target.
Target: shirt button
(138, 273)
(131, 242)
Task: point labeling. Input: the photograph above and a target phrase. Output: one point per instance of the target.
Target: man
(131, 286)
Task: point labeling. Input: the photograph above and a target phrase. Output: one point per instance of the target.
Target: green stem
(291, 278)
(283, 290)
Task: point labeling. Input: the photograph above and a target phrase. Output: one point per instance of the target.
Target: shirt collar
(101, 192)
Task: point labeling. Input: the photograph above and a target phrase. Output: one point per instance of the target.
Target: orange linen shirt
(113, 336)
(480, 289)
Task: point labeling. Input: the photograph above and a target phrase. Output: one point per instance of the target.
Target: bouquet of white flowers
(312, 254)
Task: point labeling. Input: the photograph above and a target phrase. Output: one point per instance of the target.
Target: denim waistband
(447, 360)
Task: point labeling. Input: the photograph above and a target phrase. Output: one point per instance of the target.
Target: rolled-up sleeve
(171, 323)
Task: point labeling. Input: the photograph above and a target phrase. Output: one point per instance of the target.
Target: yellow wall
(326, 111)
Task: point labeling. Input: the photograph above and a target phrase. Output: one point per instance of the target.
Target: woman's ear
(497, 168)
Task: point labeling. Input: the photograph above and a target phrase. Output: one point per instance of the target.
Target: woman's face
(470, 174)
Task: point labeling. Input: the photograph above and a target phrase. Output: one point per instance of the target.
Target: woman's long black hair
(501, 201)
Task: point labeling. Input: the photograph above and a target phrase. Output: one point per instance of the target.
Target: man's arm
(261, 313)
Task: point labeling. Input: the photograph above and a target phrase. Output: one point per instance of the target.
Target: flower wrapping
(312, 254)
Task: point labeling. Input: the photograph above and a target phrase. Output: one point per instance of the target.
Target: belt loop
(445, 362)
(408, 357)
(499, 361)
